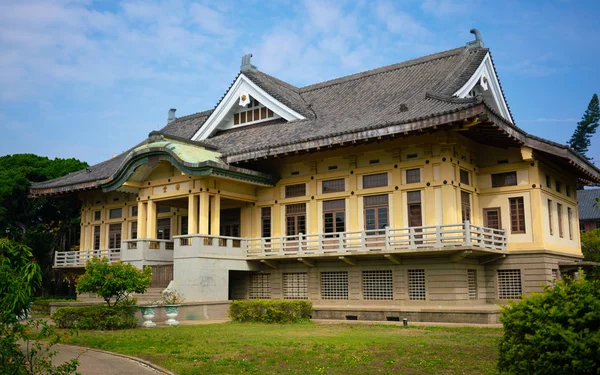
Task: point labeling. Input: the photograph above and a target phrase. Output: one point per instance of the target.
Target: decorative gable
(245, 103)
(485, 82)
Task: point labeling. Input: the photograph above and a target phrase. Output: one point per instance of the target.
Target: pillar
(215, 215)
(142, 219)
(192, 214)
(151, 220)
(203, 213)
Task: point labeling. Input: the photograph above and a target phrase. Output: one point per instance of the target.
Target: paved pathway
(96, 362)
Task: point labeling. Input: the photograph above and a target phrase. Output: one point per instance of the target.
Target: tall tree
(580, 140)
(45, 225)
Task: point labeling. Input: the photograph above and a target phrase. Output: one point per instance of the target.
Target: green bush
(41, 306)
(269, 311)
(96, 317)
(556, 332)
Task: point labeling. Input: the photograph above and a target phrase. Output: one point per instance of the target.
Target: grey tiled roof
(586, 199)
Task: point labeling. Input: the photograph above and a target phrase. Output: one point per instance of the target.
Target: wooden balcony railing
(80, 258)
(388, 239)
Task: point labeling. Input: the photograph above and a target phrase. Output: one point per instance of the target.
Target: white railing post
(320, 245)
(438, 235)
(281, 245)
(468, 241)
(387, 237)
(300, 238)
(411, 238)
(363, 239)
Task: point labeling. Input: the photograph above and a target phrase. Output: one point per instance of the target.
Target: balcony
(74, 259)
(462, 239)
(464, 236)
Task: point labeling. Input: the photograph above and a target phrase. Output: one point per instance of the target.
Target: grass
(234, 348)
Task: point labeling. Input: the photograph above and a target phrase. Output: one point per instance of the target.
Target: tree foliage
(113, 282)
(21, 348)
(44, 224)
(590, 245)
(580, 140)
(556, 332)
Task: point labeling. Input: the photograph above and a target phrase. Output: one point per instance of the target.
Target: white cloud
(400, 22)
(445, 8)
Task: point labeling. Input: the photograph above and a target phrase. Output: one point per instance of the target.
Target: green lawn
(233, 348)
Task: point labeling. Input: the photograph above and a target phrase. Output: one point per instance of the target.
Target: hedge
(270, 311)
(98, 317)
(41, 306)
(556, 332)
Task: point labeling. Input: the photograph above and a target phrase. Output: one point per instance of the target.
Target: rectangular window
(465, 203)
(298, 190)
(333, 186)
(184, 229)
(504, 179)
(548, 182)
(509, 284)
(491, 218)
(115, 213)
(416, 285)
(570, 222)
(376, 212)
(375, 180)
(163, 229)
(161, 209)
(517, 215)
(413, 175)
(295, 218)
(415, 212)
(550, 217)
(97, 237)
(558, 186)
(334, 216)
(133, 230)
(464, 177)
(568, 190)
(334, 285)
(97, 215)
(259, 286)
(559, 211)
(114, 236)
(472, 283)
(265, 220)
(295, 285)
(134, 211)
(377, 285)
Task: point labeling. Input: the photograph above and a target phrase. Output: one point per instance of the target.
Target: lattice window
(332, 186)
(570, 222)
(517, 215)
(133, 230)
(295, 285)
(97, 237)
(559, 213)
(253, 112)
(134, 211)
(375, 180)
(260, 286)
(504, 179)
(97, 215)
(555, 275)
(472, 283)
(465, 204)
(550, 217)
(298, 190)
(416, 285)
(509, 284)
(265, 219)
(334, 285)
(413, 175)
(377, 285)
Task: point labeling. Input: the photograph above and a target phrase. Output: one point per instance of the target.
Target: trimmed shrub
(556, 332)
(96, 317)
(270, 311)
(41, 306)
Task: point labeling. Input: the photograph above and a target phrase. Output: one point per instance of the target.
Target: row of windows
(559, 214)
(376, 285)
(558, 186)
(117, 213)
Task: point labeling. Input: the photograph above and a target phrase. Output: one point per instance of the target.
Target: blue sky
(89, 79)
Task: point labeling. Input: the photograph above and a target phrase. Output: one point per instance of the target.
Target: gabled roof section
(243, 85)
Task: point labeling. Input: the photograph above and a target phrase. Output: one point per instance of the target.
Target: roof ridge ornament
(478, 42)
(246, 64)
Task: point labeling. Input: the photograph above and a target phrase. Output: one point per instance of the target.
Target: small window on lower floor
(295, 285)
(334, 285)
(509, 284)
(260, 286)
(416, 285)
(377, 285)
(472, 283)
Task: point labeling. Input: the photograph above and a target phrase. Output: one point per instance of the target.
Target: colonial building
(402, 190)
